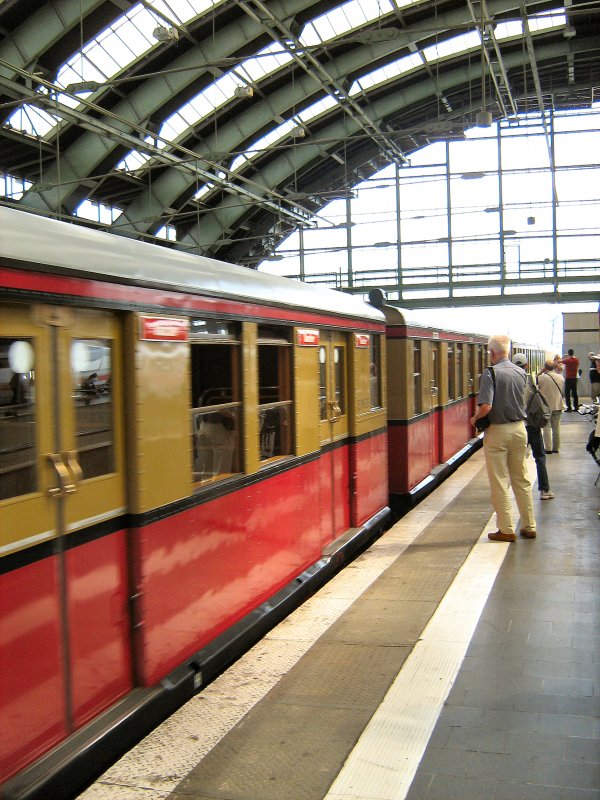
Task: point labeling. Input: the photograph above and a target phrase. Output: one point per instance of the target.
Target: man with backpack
(538, 416)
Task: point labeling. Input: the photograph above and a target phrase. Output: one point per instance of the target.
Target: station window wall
(216, 398)
(275, 391)
(467, 216)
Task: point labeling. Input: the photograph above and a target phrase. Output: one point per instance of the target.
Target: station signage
(307, 337)
(164, 329)
(362, 340)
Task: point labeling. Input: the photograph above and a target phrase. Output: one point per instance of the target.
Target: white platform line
(385, 759)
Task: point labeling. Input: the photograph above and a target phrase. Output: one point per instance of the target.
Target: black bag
(484, 422)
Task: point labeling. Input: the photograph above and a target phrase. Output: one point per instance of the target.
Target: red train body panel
(370, 477)
(203, 570)
(455, 428)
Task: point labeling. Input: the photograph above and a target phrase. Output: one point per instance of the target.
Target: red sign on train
(307, 337)
(362, 339)
(164, 329)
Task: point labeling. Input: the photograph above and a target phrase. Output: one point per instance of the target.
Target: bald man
(505, 441)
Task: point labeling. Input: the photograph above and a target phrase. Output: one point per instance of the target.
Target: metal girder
(483, 23)
(281, 33)
(538, 89)
(291, 162)
(187, 160)
(39, 31)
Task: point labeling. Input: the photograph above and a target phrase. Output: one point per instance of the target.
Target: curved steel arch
(283, 186)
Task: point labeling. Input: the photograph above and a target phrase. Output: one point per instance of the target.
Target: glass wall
(509, 209)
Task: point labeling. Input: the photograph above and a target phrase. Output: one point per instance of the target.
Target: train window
(92, 395)
(375, 371)
(434, 381)
(274, 392)
(339, 372)
(417, 371)
(216, 398)
(17, 418)
(451, 373)
(323, 382)
(459, 371)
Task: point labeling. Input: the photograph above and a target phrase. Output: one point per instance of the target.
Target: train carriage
(433, 384)
(432, 387)
(185, 443)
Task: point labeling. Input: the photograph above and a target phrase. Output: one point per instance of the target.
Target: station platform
(437, 665)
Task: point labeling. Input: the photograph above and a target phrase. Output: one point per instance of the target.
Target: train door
(335, 455)
(64, 581)
(434, 389)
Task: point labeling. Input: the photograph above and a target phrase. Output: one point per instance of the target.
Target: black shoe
(555, 451)
(549, 452)
(567, 410)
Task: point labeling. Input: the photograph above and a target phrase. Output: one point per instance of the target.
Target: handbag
(485, 422)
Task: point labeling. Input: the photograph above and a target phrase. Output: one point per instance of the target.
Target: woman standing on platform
(552, 386)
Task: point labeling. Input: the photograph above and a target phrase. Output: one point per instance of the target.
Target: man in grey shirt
(505, 441)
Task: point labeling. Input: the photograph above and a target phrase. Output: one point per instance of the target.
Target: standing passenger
(505, 441)
(594, 376)
(552, 386)
(534, 433)
(571, 374)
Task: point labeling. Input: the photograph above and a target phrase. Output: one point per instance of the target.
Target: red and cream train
(187, 450)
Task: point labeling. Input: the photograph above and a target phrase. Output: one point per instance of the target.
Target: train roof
(34, 241)
(399, 316)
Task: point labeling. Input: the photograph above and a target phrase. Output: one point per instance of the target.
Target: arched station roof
(235, 121)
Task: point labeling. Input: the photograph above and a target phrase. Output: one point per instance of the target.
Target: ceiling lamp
(162, 34)
(244, 91)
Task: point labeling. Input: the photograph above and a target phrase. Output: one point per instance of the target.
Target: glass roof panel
(265, 62)
(343, 19)
(387, 72)
(32, 121)
(548, 19)
(452, 46)
(283, 130)
(506, 30)
(116, 47)
(133, 161)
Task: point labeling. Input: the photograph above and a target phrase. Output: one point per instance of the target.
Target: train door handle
(69, 457)
(64, 486)
(336, 411)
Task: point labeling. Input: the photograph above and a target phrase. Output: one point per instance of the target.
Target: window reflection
(216, 398)
(274, 392)
(91, 370)
(323, 382)
(375, 371)
(18, 451)
(417, 385)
